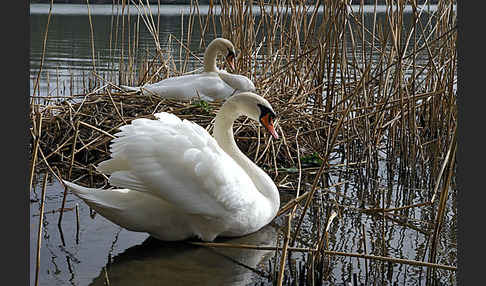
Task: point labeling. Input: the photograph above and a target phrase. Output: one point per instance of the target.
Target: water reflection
(180, 263)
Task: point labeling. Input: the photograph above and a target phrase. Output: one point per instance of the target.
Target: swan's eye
(230, 58)
(265, 110)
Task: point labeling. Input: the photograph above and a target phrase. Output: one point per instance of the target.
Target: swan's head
(256, 108)
(227, 48)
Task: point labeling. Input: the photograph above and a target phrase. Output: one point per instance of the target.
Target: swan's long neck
(223, 133)
(210, 58)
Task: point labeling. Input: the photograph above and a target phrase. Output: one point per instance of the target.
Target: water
(107, 252)
(68, 58)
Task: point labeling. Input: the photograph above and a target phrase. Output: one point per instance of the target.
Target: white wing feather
(237, 81)
(180, 162)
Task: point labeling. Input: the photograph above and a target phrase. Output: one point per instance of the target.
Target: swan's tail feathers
(98, 199)
(116, 205)
(89, 195)
(131, 88)
(77, 189)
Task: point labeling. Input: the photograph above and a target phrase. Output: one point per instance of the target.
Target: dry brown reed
(350, 94)
(39, 232)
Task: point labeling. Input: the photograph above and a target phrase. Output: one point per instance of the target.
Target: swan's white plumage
(176, 181)
(152, 213)
(205, 86)
(158, 157)
(211, 84)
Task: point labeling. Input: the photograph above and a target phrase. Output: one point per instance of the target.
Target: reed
(361, 101)
(39, 232)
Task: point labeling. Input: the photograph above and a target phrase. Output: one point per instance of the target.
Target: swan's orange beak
(230, 59)
(267, 121)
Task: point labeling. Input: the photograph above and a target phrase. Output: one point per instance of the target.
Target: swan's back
(206, 86)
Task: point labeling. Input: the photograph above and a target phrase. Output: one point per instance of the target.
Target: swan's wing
(207, 86)
(237, 81)
(130, 88)
(179, 162)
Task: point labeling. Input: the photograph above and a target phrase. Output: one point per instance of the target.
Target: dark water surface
(106, 252)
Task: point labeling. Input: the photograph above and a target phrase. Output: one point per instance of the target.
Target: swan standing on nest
(209, 85)
(177, 181)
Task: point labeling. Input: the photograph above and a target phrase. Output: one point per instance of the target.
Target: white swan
(209, 85)
(179, 182)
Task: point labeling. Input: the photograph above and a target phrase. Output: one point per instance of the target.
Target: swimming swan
(177, 181)
(209, 85)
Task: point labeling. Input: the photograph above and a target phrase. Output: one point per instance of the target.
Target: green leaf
(311, 159)
(204, 105)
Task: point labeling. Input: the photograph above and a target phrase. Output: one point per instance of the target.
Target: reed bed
(362, 104)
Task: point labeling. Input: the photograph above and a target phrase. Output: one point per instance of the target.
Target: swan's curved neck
(210, 58)
(223, 133)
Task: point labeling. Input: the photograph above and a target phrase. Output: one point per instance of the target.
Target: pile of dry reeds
(350, 94)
